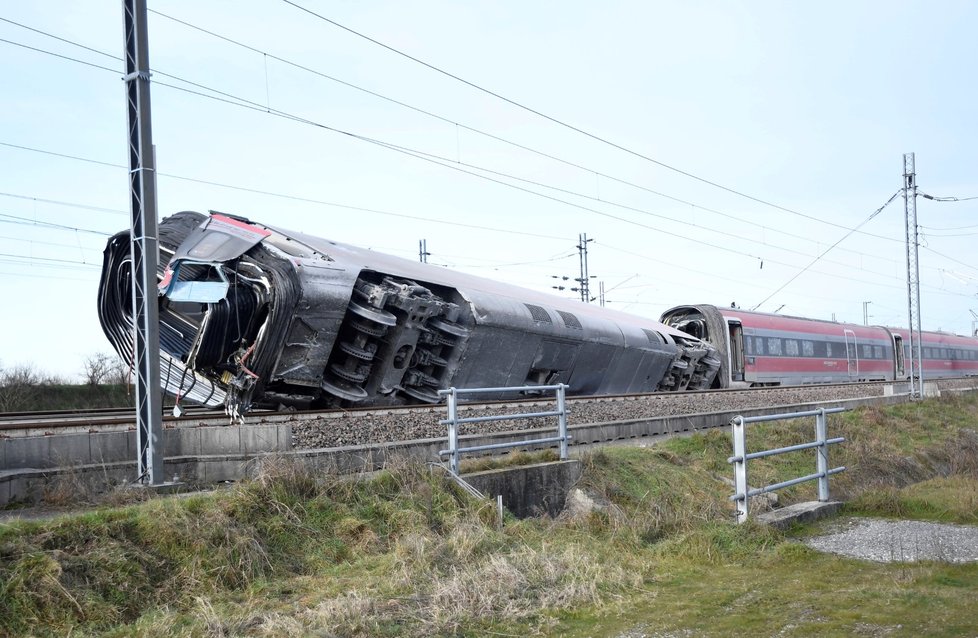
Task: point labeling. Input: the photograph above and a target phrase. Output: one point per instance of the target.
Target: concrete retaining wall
(529, 490)
(212, 454)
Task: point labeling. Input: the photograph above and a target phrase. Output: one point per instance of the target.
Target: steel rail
(109, 417)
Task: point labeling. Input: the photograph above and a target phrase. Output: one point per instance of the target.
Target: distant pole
(144, 247)
(913, 274)
(866, 312)
(423, 251)
(601, 293)
(585, 288)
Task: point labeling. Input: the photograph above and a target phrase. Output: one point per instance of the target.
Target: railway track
(96, 449)
(364, 425)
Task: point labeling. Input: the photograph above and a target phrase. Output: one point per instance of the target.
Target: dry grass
(292, 552)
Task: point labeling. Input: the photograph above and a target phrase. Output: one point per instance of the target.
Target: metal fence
(821, 444)
(454, 452)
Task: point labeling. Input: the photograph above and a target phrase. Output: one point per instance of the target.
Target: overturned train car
(256, 315)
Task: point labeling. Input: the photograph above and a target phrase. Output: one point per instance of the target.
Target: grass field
(404, 554)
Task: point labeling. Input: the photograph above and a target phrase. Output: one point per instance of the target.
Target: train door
(735, 335)
(899, 361)
(852, 355)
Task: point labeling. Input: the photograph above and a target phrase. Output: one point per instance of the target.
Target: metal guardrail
(454, 452)
(739, 459)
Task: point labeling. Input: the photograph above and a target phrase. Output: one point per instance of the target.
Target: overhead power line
(30, 258)
(453, 164)
(241, 102)
(307, 200)
(99, 209)
(16, 219)
(445, 162)
(552, 119)
(498, 138)
(957, 261)
(946, 199)
(802, 271)
(430, 114)
(969, 227)
(33, 275)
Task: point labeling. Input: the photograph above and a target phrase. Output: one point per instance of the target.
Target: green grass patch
(406, 554)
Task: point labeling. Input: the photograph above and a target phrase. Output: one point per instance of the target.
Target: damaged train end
(255, 315)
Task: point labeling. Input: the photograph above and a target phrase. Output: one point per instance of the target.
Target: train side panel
(253, 314)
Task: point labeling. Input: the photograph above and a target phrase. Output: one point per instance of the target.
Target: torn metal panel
(252, 314)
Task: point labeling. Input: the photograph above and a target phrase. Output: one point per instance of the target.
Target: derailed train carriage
(255, 315)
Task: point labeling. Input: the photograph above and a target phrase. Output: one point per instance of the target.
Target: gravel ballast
(381, 425)
(892, 541)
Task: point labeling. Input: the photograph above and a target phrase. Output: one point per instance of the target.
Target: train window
(828, 349)
(867, 351)
(791, 347)
(943, 353)
(808, 348)
(878, 352)
(749, 345)
(774, 346)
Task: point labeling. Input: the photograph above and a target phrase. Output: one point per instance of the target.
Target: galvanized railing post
(562, 421)
(821, 446)
(453, 429)
(822, 458)
(739, 430)
(452, 395)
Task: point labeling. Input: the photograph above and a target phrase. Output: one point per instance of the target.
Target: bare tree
(99, 368)
(120, 372)
(18, 387)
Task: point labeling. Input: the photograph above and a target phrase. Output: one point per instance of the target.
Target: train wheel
(370, 313)
(426, 395)
(344, 390)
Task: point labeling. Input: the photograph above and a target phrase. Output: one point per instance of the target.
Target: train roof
(727, 311)
(352, 256)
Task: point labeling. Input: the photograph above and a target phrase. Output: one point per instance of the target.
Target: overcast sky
(805, 108)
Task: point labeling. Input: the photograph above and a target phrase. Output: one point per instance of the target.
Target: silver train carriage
(253, 315)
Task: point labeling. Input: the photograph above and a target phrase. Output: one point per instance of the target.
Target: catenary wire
(560, 122)
(472, 129)
(945, 199)
(287, 196)
(99, 209)
(240, 102)
(256, 106)
(803, 270)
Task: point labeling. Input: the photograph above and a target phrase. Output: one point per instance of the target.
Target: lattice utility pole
(913, 275)
(423, 251)
(585, 287)
(144, 246)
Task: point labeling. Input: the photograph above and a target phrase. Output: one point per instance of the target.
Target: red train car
(758, 349)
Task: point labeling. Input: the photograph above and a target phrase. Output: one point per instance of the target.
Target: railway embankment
(650, 549)
(203, 450)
